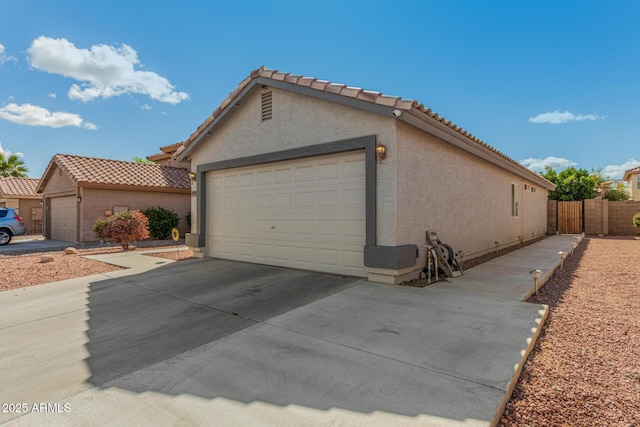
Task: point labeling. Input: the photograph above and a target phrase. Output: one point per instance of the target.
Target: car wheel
(5, 237)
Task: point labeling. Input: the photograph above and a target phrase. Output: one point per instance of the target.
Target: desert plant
(636, 220)
(188, 218)
(123, 228)
(161, 221)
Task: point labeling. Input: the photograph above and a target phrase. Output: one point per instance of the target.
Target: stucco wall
(58, 183)
(300, 121)
(95, 201)
(466, 200)
(27, 206)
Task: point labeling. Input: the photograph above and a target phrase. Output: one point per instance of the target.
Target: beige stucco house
(78, 190)
(20, 193)
(632, 177)
(166, 157)
(287, 174)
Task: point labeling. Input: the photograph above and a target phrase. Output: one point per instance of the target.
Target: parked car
(11, 224)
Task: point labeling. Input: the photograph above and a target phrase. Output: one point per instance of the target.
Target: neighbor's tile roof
(344, 90)
(629, 172)
(91, 170)
(167, 152)
(14, 186)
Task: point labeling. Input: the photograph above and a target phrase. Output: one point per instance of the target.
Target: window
(638, 178)
(514, 200)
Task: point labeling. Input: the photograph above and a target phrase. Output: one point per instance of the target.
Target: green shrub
(636, 220)
(123, 228)
(161, 221)
(188, 218)
(97, 227)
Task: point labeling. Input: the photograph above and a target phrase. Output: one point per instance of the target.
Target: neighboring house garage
(290, 172)
(78, 190)
(20, 193)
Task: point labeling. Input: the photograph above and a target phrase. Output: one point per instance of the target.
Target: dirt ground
(585, 367)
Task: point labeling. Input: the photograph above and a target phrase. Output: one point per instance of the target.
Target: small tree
(617, 195)
(139, 159)
(636, 220)
(123, 228)
(161, 221)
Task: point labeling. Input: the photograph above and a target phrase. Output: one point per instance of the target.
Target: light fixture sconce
(192, 175)
(381, 151)
(78, 199)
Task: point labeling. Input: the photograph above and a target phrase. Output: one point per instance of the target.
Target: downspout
(78, 212)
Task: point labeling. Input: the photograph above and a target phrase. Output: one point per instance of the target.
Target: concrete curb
(518, 369)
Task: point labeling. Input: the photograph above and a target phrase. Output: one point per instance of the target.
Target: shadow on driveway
(138, 320)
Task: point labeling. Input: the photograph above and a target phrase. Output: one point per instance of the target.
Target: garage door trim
(368, 143)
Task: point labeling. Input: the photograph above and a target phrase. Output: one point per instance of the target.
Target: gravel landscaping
(585, 367)
(26, 269)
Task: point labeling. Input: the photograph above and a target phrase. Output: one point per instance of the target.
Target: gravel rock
(585, 367)
(46, 258)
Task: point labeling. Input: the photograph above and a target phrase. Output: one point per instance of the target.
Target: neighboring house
(632, 176)
(78, 190)
(166, 157)
(287, 174)
(20, 194)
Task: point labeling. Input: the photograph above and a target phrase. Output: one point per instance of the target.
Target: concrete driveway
(212, 342)
(32, 243)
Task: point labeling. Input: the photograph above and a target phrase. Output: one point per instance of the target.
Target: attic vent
(267, 102)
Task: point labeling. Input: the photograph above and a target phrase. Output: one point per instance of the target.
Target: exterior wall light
(78, 199)
(192, 175)
(381, 151)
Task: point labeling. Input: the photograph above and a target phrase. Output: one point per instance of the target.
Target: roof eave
(418, 119)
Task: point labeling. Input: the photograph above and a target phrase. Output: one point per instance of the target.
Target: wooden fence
(570, 219)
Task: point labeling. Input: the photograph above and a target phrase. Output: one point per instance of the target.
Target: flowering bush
(636, 220)
(123, 228)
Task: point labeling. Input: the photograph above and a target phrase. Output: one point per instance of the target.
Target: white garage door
(63, 218)
(307, 213)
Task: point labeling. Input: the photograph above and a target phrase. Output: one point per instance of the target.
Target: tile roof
(13, 186)
(395, 102)
(90, 170)
(167, 152)
(629, 172)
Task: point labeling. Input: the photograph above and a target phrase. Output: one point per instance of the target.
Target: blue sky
(545, 82)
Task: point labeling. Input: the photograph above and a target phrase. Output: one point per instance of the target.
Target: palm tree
(12, 166)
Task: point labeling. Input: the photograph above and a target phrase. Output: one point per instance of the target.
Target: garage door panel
(63, 218)
(307, 213)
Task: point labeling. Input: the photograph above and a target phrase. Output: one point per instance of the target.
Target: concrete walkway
(507, 276)
(212, 342)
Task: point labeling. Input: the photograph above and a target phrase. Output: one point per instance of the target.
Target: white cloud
(52, 95)
(617, 171)
(103, 70)
(556, 163)
(556, 117)
(7, 152)
(146, 107)
(33, 115)
(4, 57)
